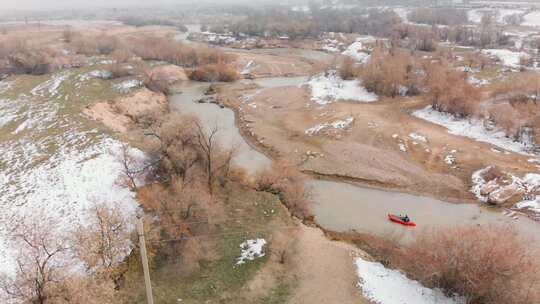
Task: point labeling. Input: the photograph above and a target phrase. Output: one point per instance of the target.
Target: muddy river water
(340, 206)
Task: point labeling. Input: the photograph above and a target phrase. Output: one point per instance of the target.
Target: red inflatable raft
(399, 220)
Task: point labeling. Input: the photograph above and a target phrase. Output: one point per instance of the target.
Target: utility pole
(144, 257)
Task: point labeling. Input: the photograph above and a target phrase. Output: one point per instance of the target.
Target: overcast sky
(70, 4)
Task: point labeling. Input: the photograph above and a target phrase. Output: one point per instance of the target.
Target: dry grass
(486, 264)
(347, 68)
(284, 180)
(449, 91)
(215, 72)
(390, 73)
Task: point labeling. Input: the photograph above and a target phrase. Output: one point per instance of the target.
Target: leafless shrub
(119, 70)
(347, 68)
(445, 16)
(156, 48)
(40, 264)
(215, 72)
(216, 160)
(104, 242)
(121, 55)
(67, 35)
(492, 173)
(106, 44)
(156, 82)
(284, 180)
(486, 264)
(449, 91)
(390, 73)
(84, 44)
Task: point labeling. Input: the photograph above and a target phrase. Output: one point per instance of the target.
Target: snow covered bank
(356, 50)
(532, 19)
(472, 128)
(508, 188)
(386, 286)
(329, 87)
(507, 57)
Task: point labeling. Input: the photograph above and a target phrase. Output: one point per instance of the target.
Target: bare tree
(208, 145)
(131, 169)
(217, 161)
(104, 242)
(40, 264)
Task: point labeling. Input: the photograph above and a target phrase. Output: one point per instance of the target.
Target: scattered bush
(154, 48)
(449, 91)
(347, 68)
(486, 264)
(284, 180)
(391, 73)
(432, 16)
(67, 35)
(118, 70)
(215, 72)
(121, 55)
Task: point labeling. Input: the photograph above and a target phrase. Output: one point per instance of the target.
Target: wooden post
(144, 257)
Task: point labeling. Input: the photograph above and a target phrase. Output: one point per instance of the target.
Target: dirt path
(324, 270)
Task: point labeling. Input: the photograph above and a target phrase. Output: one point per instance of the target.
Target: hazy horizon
(85, 4)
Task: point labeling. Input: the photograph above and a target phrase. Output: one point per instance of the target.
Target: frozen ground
(126, 85)
(356, 50)
(528, 185)
(250, 250)
(338, 124)
(532, 19)
(507, 57)
(475, 15)
(55, 164)
(386, 286)
(471, 128)
(329, 87)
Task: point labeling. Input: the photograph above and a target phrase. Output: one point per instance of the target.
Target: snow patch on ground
(450, 159)
(532, 19)
(472, 128)
(248, 68)
(507, 57)
(55, 166)
(355, 51)
(387, 286)
(402, 147)
(63, 189)
(51, 86)
(418, 137)
(250, 250)
(127, 85)
(477, 81)
(338, 124)
(99, 74)
(329, 87)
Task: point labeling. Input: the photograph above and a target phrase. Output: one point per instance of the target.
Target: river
(341, 206)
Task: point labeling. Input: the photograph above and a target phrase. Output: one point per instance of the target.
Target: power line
(206, 222)
(224, 233)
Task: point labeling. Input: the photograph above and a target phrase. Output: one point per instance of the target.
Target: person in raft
(405, 218)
